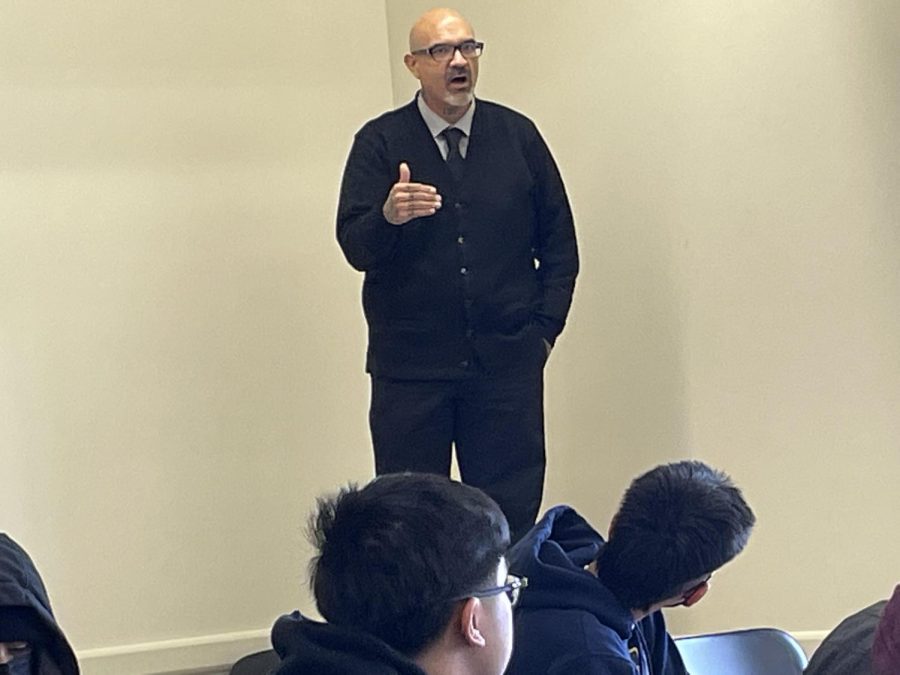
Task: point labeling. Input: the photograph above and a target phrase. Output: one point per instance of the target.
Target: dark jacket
(309, 647)
(25, 613)
(848, 648)
(886, 646)
(567, 622)
(460, 289)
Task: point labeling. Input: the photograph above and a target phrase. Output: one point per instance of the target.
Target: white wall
(734, 171)
(181, 342)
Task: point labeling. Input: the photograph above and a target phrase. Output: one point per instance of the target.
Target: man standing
(456, 212)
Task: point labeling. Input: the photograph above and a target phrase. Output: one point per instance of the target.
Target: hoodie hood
(886, 645)
(553, 556)
(306, 646)
(848, 648)
(25, 612)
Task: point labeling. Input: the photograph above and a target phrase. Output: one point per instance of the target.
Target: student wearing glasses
(31, 642)
(455, 211)
(593, 607)
(411, 578)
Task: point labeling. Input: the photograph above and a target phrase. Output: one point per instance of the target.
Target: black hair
(393, 555)
(676, 524)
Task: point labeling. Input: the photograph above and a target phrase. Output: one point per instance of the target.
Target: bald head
(447, 81)
(430, 24)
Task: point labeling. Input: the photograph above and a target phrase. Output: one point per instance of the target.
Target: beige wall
(180, 338)
(181, 343)
(734, 172)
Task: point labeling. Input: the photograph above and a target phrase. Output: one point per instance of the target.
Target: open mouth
(459, 81)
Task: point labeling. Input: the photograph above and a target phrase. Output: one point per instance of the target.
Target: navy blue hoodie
(25, 615)
(567, 621)
(309, 647)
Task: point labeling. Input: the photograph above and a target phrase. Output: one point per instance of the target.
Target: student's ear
(469, 622)
(696, 595)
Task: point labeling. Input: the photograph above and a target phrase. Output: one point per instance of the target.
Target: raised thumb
(404, 173)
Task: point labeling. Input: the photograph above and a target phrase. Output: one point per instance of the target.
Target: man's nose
(5, 656)
(458, 59)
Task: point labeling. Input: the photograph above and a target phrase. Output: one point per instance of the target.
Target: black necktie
(455, 161)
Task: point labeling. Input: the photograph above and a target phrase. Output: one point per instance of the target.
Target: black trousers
(495, 422)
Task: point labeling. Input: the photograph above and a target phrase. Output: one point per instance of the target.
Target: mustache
(456, 71)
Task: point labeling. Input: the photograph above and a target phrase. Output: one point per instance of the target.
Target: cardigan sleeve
(556, 246)
(365, 237)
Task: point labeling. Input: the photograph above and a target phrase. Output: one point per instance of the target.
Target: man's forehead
(438, 26)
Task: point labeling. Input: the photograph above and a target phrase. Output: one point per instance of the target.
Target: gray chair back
(755, 651)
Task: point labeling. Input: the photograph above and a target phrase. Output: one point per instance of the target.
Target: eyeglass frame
(512, 588)
(479, 47)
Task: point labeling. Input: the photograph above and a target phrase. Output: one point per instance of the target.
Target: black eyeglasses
(470, 49)
(512, 588)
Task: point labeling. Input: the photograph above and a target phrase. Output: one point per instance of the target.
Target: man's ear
(470, 621)
(410, 61)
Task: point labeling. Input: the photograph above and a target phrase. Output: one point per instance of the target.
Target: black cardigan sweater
(479, 285)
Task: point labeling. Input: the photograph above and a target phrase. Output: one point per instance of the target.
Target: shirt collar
(436, 123)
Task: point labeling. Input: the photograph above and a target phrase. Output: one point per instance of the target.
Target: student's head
(403, 558)
(676, 525)
(31, 642)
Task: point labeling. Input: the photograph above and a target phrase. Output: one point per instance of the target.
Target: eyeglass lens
(442, 52)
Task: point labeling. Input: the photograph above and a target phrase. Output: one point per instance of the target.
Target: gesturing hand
(408, 200)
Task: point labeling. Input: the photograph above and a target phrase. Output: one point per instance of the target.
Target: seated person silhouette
(593, 606)
(411, 578)
(865, 643)
(31, 642)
